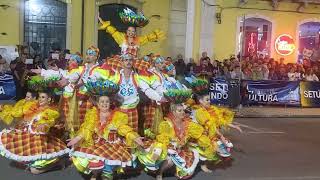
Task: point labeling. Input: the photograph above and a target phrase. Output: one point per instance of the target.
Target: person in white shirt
(293, 75)
(310, 76)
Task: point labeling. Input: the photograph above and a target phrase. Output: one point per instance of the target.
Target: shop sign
(284, 45)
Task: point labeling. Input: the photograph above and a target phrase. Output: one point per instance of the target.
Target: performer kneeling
(30, 142)
(106, 142)
(179, 142)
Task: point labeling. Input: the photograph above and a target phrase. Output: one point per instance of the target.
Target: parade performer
(162, 82)
(105, 140)
(130, 83)
(179, 141)
(211, 117)
(32, 143)
(75, 100)
(129, 42)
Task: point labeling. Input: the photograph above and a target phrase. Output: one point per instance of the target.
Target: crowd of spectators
(21, 67)
(249, 68)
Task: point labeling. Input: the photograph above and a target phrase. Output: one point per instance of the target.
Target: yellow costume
(104, 146)
(183, 148)
(31, 141)
(122, 39)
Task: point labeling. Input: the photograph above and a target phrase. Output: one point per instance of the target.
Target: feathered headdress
(102, 88)
(38, 83)
(198, 86)
(131, 18)
(176, 92)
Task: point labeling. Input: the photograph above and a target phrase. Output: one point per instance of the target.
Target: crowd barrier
(7, 87)
(234, 92)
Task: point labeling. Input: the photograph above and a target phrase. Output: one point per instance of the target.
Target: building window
(45, 25)
(309, 42)
(255, 37)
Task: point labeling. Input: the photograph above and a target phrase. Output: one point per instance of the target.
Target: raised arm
(154, 36)
(116, 35)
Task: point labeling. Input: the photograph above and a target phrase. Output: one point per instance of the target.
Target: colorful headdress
(126, 57)
(159, 59)
(38, 83)
(177, 93)
(93, 51)
(102, 88)
(168, 67)
(77, 57)
(198, 86)
(131, 18)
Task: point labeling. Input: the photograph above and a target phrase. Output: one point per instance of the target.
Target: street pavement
(269, 149)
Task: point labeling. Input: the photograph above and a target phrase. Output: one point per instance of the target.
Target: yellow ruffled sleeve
(208, 147)
(208, 122)
(166, 133)
(5, 114)
(225, 116)
(118, 36)
(156, 35)
(48, 117)
(87, 127)
(28, 108)
(201, 116)
(194, 130)
(120, 121)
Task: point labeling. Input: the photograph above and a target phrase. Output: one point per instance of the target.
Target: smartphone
(55, 56)
(29, 61)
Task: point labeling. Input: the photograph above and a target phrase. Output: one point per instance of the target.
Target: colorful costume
(103, 146)
(129, 94)
(182, 147)
(27, 143)
(122, 39)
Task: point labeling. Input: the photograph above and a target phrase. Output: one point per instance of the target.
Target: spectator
(204, 70)
(191, 67)
(3, 66)
(180, 67)
(310, 76)
(272, 74)
(257, 72)
(282, 74)
(226, 72)
(236, 73)
(265, 72)
(293, 75)
(204, 55)
(247, 72)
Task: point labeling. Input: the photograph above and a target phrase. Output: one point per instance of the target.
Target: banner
(7, 87)
(219, 91)
(271, 92)
(310, 94)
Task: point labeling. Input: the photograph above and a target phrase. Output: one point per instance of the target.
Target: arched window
(309, 42)
(255, 36)
(45, 25)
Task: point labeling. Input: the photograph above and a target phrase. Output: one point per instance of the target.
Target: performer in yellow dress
(179, 141)
(211, 117)
(31, 142)
(129, 42)
(106, 142)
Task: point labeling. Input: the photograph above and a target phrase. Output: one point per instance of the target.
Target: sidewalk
(277, 112)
